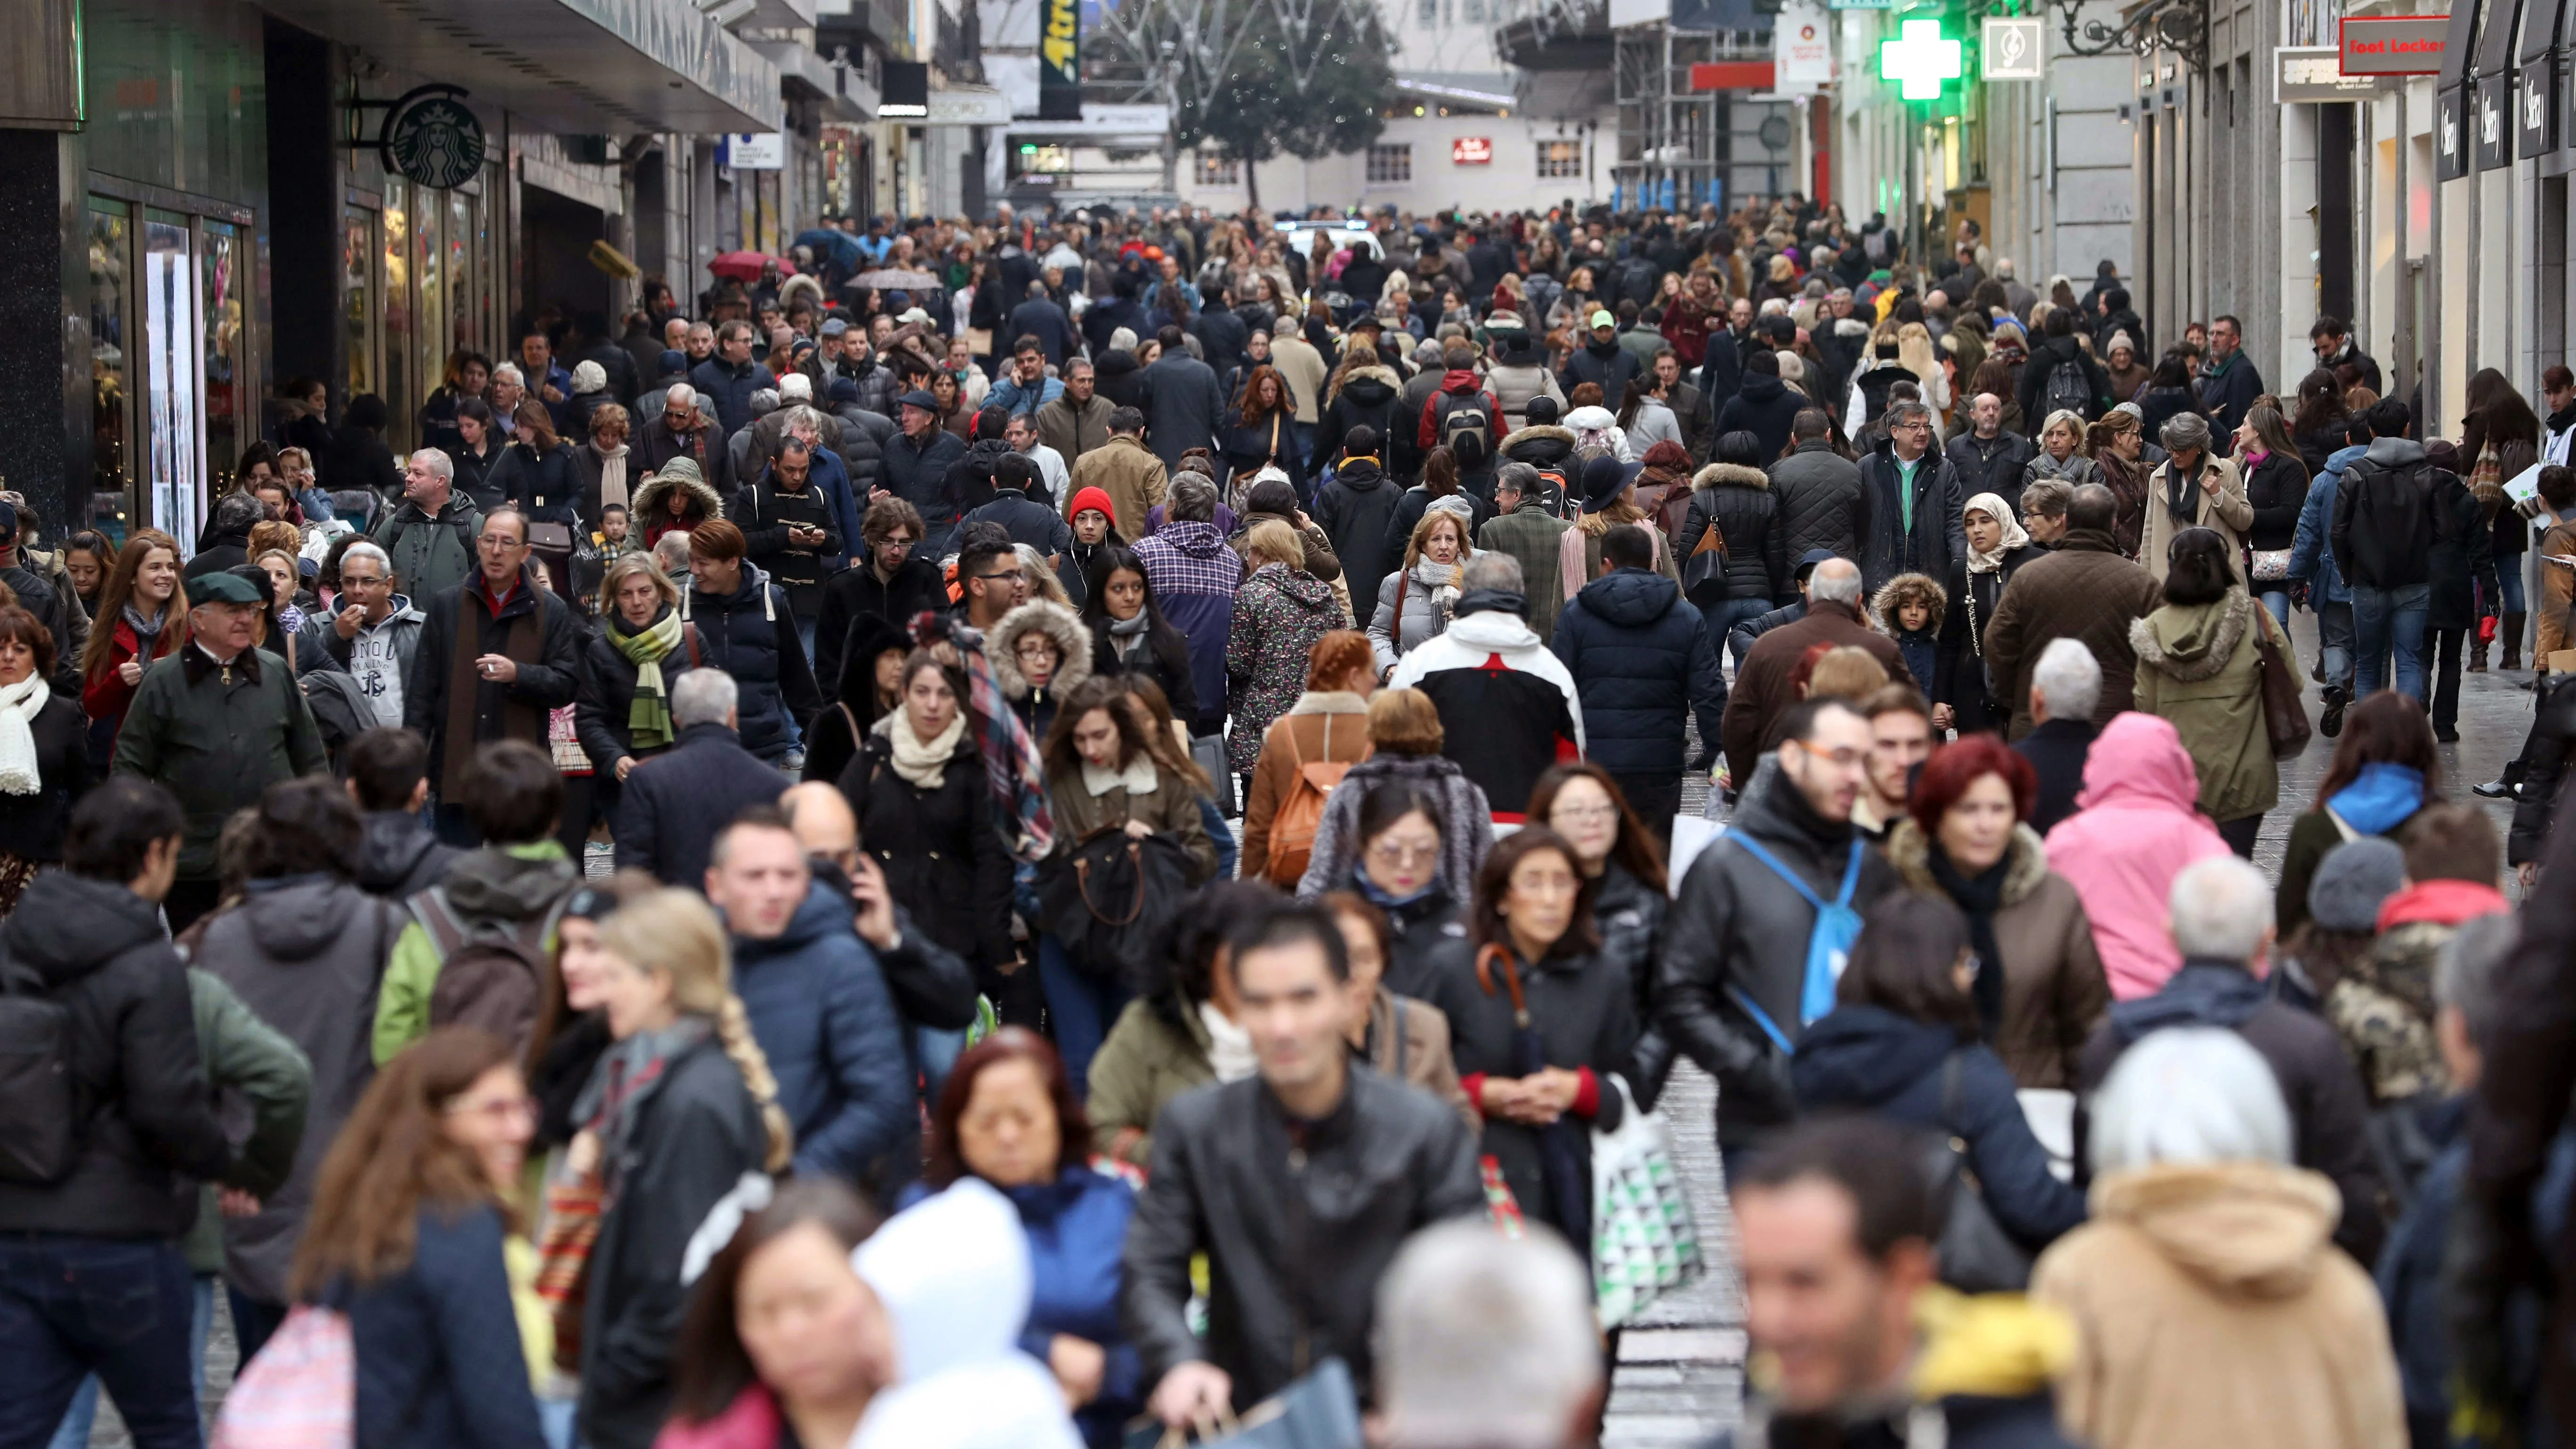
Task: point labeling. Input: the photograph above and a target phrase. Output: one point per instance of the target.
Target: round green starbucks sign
(433, 138)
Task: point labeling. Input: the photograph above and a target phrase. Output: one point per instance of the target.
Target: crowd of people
(1103, 841)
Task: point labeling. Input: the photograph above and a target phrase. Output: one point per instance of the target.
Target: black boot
(2331, 723)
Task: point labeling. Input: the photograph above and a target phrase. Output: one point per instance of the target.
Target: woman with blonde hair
(622, 710)
(2061, 454)
(681, 1109)
(1416, 601)
(1280, 613)
(1915, 351)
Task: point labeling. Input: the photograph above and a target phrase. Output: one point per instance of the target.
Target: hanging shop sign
(2313, 75)
(1059, 60)
(2015, 48)
(754, 151)
(432, 138)
(2393, 44)
(1472, 151)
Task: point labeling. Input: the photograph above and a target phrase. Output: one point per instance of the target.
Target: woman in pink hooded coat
(2134, 828)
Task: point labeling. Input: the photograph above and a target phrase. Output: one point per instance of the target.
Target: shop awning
(573, 67)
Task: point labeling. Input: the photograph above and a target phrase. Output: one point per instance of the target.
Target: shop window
(111, 504)
(399, 313)
(225, 308)
(174, 377)
(1215, 170)
(1560, 160)
(1390, 165)
(358, 286)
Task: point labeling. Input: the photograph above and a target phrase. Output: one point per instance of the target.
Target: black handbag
(1704, 572)
(1110, 899)
(1974, 1254)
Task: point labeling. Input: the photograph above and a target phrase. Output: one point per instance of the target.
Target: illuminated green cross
(1920, 60)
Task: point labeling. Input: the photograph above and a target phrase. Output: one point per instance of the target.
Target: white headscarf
(1993, 506)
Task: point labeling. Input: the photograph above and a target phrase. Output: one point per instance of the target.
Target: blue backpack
(1828, 944)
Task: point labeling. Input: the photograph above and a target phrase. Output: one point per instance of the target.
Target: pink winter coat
(2134, 828)
(752, 1421)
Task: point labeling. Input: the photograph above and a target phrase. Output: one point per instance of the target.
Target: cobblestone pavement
(1680, 1373)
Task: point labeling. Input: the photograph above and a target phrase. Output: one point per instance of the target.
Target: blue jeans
(73, 1306)
(2384, 620)
(83, 1416)
(937, 1052)
(2334, 644)
(1724, 616)
(805, 636)
(2278, 601)
(1082, 1006)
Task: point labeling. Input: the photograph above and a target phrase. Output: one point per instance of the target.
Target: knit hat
(674, 362)
(795, 387)
(2119, 340)
(2351, 882)
(589, 377)
(1456, 503)
(1792, 367)
(1093, 498)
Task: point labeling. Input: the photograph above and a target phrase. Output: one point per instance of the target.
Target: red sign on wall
(1732, 75)
(1472, 151)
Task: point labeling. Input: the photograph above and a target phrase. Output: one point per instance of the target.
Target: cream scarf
(20, 703)
(612, 477)
(924, 763)
(1230, 1053)
(1138, 778)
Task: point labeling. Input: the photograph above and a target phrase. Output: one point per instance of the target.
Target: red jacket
(2442, 902)
(105, 695)
(1459, 383)
(1686, 328)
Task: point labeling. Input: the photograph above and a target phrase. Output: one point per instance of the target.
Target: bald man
(934, 989)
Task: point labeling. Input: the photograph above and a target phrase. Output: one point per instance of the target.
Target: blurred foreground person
(1486, 1342)
(2210, 1303)
(1854, 1345)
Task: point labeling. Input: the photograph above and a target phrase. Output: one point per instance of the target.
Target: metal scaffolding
(1679, 147)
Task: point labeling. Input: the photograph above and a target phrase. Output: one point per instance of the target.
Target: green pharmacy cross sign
(1920, 60)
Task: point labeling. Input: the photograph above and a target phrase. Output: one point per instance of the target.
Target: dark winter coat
(2081, 590)
(31, 826)
(2227, 389)
(2328, 1111)
(820, 1010)
(439, 1357)
(800, 569)
(2045, 355)
(2057, 751)
(306, 954)
(674, 805)
(216, 736)
(400, 856)
(696, 1131)
(1293, 1252)
(1737, 927)
(1584, 1011)
(1607, 364)
(517, 709)
(1762, 695)
(97, 949)
(2463, 559)
(2277, 487)
(939, 849)
(864, 439)
(1028, 521)
(916, 471)
(1642, 666)
(731, 386)
(2383, 516)
(1939, 530)
(1959, 677)
(1354, 509)
(751, 635)
(1368, 396)
(546, 486)
(1765, 407)
(1997, 465)
(1182, 406)
(603, 707)
(857, 592)
(1820, 501)
(431, 555)
(1870, 1060)
(1739, 502)
(1167, 662)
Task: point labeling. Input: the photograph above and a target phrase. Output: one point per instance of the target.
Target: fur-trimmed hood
(1375, 372)
(2190, 645)
(1729, 475)
(658, 487)
(1850, 327)
(1883, 604)
(1536, 432)
(1910, 851)
(1072, 640)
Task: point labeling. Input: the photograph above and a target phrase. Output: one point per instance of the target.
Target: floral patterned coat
(1279, 613)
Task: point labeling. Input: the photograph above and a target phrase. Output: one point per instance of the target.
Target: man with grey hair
(2220, 914)
(674, 805)
(430, 538)
(1765, 688)
(2065, 687)
(1914, 508)
(1486, 1342)
(686, 430)
(1193, 575)
(373, 637)
(1525, 528)
(1507, 706)
(1988, 458)
(2084, 589)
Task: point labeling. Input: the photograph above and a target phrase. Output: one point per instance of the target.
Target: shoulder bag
(1109, 898)
(1974, 1253)
(2285, 716)
(1704, 572)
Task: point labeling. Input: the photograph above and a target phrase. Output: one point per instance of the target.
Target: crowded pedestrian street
(862, 724)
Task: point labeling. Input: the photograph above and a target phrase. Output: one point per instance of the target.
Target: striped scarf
(1011, 766)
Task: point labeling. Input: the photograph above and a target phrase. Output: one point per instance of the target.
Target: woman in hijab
(1963, 695)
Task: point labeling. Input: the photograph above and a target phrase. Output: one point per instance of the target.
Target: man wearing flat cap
(216, 723)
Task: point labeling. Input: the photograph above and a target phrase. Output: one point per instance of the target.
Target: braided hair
(674, 933)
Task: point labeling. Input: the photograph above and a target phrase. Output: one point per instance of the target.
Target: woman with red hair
(2039, 988)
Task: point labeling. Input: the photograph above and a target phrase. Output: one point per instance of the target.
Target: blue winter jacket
(2312, 550)
(1865, 1058)
(820, 1010)
(1077, 1230)
(751, 635)
(1641, 665)
(833, 477)
(437, 1344)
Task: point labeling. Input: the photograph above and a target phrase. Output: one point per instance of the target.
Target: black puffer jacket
(2278, 489)
(1739, 501)
(1819, 502)
(97, 948)
(546, 484)
(1766, 407)
(938, 847)
(1294, 1252)
(864, 436)
(1739, 932)
(751, 635)
(1368, 396)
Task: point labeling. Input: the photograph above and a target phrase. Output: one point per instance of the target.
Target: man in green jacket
(216, 723)
(431, 536)
(1523, 527)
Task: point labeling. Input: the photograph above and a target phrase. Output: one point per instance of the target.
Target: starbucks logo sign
(432, 138)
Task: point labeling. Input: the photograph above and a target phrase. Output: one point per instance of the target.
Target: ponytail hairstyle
(2098, 436)
(674, 933)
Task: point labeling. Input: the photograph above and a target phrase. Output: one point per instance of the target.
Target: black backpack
(1467, 430)
(2069, 389)
(41, 1116)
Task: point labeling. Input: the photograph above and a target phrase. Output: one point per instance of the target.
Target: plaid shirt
(1534, 536)
(1189, 558)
